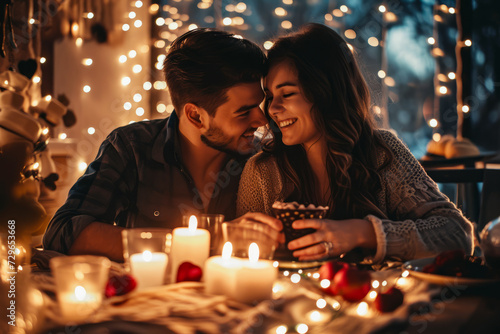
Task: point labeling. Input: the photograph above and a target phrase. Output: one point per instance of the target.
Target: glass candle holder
(242, 235)
(146, 253)
(212, 223)
(80, 283)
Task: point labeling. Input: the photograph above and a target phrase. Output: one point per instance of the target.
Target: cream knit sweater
(421, 220)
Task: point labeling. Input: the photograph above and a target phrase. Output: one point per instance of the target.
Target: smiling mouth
(287, 122)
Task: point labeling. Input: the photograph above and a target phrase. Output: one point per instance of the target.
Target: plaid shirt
(138, 180)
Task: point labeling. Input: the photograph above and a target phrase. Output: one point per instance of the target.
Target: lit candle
(220, 272)
(79, 304)
(189, 245)
(148, 268)
(255, 279)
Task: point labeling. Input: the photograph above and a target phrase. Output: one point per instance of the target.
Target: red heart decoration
(120, 285)
(189, 272)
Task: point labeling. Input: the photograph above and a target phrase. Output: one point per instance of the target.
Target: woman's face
(288, 106)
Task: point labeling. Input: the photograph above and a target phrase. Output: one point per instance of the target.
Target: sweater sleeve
(260, 186)
(421, 220)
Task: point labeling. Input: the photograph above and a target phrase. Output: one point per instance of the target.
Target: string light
(344, 9)
(138, 4)
(286, 25)
(132, 53)
(127, 106)
(36, 79)
(431, 40)
(125, 27)
(137, 97)
(451, 10)
(433, 123)
(86, 88)
(468, 42)
(280, 11)
(43, 60)
(349, 33)
(82, 166)
(160, 21)
(443, 90)
(452, 75)
(337, 13)
(465, 108)
(147, 85)
(125, 81)
(192, 27)
(288, 2)
(91, 130)
(137, 23)
(137, 68)
(89, 15)
(139, 111)
(122, 59)
(63, 136)
(79, 41)
(132, 15)
(87, 61)
(436, 137)
(268, 45)
(31, 21)
(382, 9)
(381, 74)
(161, 108)
(373, 41)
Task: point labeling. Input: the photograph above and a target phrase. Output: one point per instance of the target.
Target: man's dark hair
(203, 64)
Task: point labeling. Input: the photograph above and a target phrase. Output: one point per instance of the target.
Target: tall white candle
(220, 272)
(189, 245)
(255, 278)
(148, 268)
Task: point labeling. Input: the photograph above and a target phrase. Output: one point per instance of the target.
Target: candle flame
(227, 250)
(253, 252)
(193, 224)
(147, 256)
(80, 292)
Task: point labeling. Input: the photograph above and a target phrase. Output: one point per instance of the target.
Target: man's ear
(193, 114)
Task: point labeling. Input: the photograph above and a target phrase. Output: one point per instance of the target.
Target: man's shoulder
(143, 131)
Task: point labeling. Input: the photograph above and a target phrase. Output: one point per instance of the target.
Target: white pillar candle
(255, 278)
(220, 272)
(148, 268)
(79, 304)
(189, 245)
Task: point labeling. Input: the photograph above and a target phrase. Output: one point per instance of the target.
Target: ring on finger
(328, 247)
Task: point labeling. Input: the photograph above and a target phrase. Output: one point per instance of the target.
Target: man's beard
(217, 139)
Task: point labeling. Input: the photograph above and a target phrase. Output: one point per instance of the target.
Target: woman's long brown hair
(330, 78)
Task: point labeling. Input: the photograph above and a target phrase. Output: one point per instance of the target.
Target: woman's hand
(332, 238)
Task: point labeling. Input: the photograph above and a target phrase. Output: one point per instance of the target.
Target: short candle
(255, 279)
(79, 304)
(220, 272)
(148, 268)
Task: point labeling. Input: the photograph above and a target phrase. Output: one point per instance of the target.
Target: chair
(477, 191)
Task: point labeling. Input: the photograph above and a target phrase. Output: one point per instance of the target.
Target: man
(151, 173)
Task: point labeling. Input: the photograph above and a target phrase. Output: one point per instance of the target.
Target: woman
(326, 150)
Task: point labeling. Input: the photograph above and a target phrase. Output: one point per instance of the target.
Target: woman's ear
(193, 114)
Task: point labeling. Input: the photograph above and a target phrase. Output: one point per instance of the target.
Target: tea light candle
(148, 268)
(220, 272)
(255, 279)
(189, 245)
(79, 304)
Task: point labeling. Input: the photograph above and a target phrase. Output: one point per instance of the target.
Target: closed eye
(288, 95)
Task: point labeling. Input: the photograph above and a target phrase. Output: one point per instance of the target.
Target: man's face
(232, 128)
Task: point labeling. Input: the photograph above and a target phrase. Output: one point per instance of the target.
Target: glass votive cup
(212, 223)
(80, 283)
(242, 235)
(146, 252)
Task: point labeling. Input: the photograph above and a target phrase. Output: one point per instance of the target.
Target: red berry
(351, 283)
(330, 268)
(390, 300)
(189, 272)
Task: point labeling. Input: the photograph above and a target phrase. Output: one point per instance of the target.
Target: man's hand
(257, 217)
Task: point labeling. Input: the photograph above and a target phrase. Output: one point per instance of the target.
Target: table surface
(184, 308)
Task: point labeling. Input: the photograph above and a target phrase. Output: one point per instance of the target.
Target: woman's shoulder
(261, 160)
